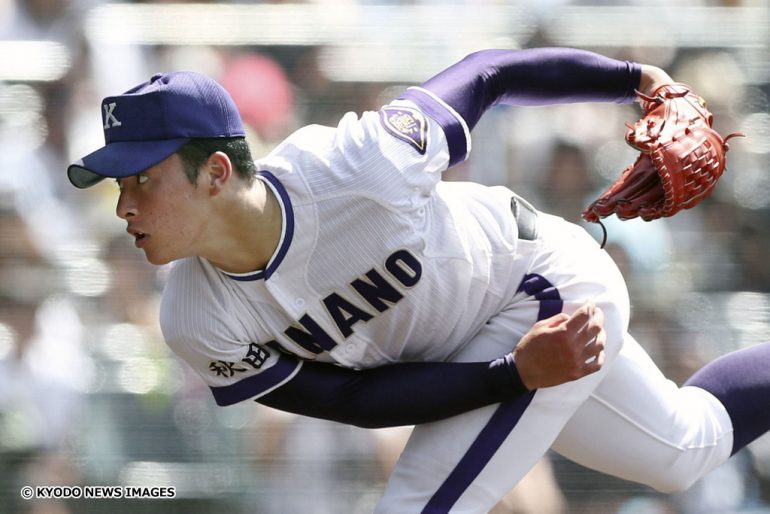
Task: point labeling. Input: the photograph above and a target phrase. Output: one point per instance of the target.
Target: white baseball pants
(626, 420)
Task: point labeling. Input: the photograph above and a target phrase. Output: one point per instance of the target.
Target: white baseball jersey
(378, 262)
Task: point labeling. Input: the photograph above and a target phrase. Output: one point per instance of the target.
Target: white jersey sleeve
(202, 326)
(394, 156)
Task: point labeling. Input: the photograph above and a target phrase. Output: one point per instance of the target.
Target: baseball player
(339, 277)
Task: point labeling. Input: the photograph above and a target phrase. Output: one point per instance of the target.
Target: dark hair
(195, 152)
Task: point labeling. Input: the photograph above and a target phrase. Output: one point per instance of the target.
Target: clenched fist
(562, 348)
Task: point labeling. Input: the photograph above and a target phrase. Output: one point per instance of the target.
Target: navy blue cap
(151, 121)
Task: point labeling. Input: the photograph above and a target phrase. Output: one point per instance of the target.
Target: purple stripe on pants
(502, 421)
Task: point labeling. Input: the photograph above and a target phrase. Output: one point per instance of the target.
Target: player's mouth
(140, 238)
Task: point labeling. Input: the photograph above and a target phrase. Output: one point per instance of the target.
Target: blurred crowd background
(90, 395)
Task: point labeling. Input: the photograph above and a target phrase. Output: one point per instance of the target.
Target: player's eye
(141, 178)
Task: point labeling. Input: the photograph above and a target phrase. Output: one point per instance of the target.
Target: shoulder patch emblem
(406, 124)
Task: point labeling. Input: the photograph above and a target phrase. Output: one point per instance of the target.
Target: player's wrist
(509, 378)
(652, 78)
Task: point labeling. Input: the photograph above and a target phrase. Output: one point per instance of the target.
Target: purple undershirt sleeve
(531, 77)
(397, 394)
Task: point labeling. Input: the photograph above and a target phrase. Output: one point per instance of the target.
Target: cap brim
(121, 159)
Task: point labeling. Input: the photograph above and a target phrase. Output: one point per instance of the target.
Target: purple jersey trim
(287, 238)
(259, 384)
(453, 127)
(502, 421)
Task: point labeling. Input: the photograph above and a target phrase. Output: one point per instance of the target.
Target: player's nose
(126, 206)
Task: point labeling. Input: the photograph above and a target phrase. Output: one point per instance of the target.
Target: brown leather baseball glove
(680, 162)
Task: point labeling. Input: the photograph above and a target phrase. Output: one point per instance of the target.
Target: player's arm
(556, 350)
(457, 97)
(537, 76)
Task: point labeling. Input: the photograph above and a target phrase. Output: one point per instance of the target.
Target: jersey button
(299, 302)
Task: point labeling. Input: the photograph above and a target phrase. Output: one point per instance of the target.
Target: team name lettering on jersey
(256, 355)
(376, 294)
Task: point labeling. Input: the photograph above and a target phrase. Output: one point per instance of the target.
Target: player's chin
(157, 258)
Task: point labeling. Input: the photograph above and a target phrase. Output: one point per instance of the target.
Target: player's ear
(218, 169)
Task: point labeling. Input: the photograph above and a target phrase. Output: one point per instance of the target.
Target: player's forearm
(399, 394)
(539, 76)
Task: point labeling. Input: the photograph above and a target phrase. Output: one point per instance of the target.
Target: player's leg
(639, 426)
(740, 381)
(467, 463)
